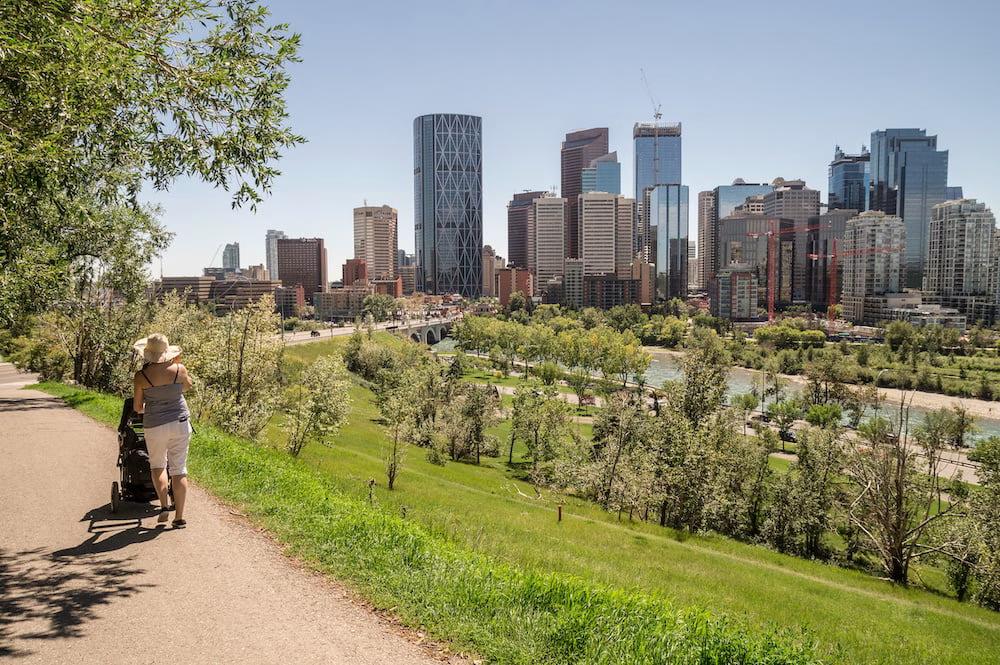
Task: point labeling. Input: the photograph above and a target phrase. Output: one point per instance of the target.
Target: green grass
(508, 613)
(489, 509)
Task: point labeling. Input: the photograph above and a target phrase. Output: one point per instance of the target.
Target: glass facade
(850, 176)
(668, 217)
(603, 175)
(448, 203)
(727, 197)
(657, 156)
(909, 176)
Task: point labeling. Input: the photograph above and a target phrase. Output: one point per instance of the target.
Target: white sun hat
(157, 349)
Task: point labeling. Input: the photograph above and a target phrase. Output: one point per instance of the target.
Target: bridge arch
(432, 336)
(415, 336)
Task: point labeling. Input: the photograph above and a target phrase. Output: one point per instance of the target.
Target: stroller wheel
(116, 497)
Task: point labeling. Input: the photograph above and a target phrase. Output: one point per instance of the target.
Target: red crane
(772, 264)
(833, 292)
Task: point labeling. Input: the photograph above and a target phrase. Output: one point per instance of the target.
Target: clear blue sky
(763, 89)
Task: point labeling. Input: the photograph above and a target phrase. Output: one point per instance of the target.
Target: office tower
(791, 199)
(448, 203)
(960, 254)
(953, 193)
(547, 233)
(725, 199)
(573, 283)
(376, 240)
(873, 258)
(604, 174)
(231, 257)
(408, 273)
(579, 149)
(849, 179)
(271, 252)
(668, 223)
(909, 176)
(354, 271)
(258, 272)
(606, 239)
(692, 264)
(489, 275)
(657, 161)
(742, 244)
(517, 227)
(302, 261)
(825, 237)
(706, 219)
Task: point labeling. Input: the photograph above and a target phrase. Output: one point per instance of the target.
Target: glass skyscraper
(603, 175)
(850, 176)
(448, 203)
(909, 176)
(657, 161)
(668, 219)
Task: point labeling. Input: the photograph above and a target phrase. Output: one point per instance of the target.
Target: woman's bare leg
(160, 485)
(180, 485)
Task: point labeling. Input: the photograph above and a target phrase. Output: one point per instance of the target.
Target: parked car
(314, 333)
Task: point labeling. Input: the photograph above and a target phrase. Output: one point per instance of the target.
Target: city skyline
(315, 195)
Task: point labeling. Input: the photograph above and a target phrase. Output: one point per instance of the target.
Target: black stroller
(136, 484)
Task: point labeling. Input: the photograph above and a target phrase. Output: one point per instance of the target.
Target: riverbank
(924, 400)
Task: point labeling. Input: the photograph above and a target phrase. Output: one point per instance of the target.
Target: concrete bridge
(427, 332)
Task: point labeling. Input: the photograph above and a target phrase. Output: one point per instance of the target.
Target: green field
(490, 510)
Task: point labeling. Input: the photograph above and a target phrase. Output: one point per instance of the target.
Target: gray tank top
(164, 404)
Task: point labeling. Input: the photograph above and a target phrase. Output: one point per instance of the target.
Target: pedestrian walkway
(79, 584)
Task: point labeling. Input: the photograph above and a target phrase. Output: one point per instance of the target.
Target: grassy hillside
(489, 510)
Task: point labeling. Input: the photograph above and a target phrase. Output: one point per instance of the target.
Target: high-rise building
(825, 238)
(960, 255)
(489, 271)
(376, 240)
(271, 252)
(448, 203)
(408, 274)
(547, 239)
(302, 261)
(231, 256)
(724, 200)
(706, 219)
(606, 241)
(909, 176)
(604, 174)
(517, 227)
(742, 244)
(668, 223)
(791, 199)
(953, 193)
(258, 272)
(693, 271)
(849, 179)
(734, 293)
(873, 258)
(579, 149)
(355, 271)
(657, 161)
(573, 283)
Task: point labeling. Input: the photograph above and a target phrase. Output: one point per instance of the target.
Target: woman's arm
(183, 377)
(137, 398)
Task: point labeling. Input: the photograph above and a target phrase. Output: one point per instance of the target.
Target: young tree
(744, 404)
(704, 377)
(469, 413)
(379, 307)
(784, 414)
(318, 405)
(401, 414)
(621, 436)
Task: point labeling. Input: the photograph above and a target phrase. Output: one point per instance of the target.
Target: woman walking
(159, 397)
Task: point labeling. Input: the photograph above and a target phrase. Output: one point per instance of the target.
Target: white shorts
(168, 447)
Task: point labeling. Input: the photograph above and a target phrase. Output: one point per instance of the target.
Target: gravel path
(80, 585)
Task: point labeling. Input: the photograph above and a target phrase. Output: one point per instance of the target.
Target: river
(664, 367)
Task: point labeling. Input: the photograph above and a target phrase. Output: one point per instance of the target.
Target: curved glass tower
(448, 203)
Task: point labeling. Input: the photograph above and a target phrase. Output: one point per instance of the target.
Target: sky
(762, 89)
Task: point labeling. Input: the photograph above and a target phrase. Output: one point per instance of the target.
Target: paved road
(80, 585)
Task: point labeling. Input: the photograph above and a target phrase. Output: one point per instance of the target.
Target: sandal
(163, 516)
(179, 524)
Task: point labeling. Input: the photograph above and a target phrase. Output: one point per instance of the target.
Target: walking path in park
(81, 585)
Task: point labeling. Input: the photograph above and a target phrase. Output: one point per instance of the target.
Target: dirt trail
(80, 585)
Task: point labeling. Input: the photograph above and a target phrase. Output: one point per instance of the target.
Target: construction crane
(833, 291)
(773, 234)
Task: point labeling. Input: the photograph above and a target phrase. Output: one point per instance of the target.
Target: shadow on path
(29, 403)
(53, 595)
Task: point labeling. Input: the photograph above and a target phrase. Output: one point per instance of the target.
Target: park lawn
(489, 509)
